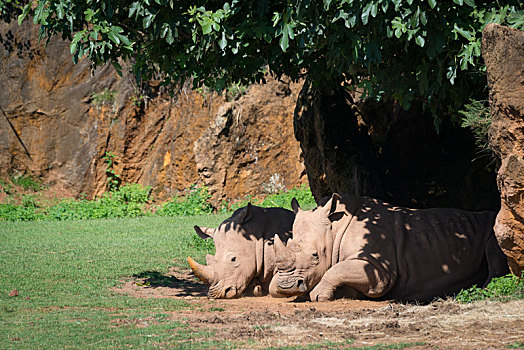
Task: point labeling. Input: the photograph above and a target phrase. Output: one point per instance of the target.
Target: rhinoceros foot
(321, 293)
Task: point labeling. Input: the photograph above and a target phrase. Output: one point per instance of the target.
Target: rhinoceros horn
(203, 272)
(283, 255)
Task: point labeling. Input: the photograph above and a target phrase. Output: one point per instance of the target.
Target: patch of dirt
(273, 322)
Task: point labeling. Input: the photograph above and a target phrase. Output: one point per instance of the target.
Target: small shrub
(103, 98)
(105, 207)
(283, 199)
(235, 91)
(27, 211)
(132, 193)
(476, 116)
(194, 202)
(113, 179)
(228, 207)
(502, 289)
(27, 183)
(130, 200)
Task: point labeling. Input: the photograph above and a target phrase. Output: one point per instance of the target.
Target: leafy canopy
(409, 50)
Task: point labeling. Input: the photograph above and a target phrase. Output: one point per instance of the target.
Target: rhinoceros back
(440, 251)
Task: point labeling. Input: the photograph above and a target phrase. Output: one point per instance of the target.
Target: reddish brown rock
(61, 119)
(503, 53)
(234, 157)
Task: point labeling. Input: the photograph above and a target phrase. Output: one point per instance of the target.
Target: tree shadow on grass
(182, 285)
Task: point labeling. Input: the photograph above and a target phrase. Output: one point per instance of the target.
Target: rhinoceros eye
(233, 259)
(315, 255)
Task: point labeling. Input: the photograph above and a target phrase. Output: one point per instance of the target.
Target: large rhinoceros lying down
(377, 250)
(244, 259)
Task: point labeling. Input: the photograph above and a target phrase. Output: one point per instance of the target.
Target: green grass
(63, 272)
(516, 345)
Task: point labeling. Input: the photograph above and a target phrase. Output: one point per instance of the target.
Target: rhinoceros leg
(497, 261)
(357, 274)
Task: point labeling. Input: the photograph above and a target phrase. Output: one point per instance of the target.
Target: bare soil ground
(442, 324)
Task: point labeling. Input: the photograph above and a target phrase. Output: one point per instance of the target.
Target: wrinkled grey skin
(371, 249)
(244, 261)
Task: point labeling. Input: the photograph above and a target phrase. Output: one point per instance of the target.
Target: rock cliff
(58, 120)
(503, 53)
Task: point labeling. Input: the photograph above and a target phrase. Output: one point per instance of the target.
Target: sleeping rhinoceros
(374, 249)
(244, 259)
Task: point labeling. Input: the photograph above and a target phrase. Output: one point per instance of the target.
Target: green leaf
(290, 32)
(60, 10)
(420, 41)
(169, 38)
(116, 29)
(207, 27)
(24, 13)
(432, 3)
(284, 41)
(459, 2)
(385, 6)
(163, 31)
(423, 18)
(123, 38)
(113, 37)
(134, 8)
(276, 18)
(222, 43)
(146, 21)
(374, 9)
(72, 47)
(118, 67)
(365, 13)
(470, 3)
(462, 32)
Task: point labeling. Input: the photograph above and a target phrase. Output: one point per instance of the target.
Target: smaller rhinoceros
(244, 259)
(377, 250)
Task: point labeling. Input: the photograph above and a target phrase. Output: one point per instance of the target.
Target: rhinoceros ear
(331, 207)
(245, 214)
(295, 205)
(204, 232)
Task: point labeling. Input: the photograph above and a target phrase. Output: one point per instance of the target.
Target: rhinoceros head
(307, 256)
(234, 265)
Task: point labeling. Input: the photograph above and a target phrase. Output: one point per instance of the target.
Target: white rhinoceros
(244, 259)
(377, 250)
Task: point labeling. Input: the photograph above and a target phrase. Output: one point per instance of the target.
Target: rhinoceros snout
(301, 286)
(220, 292)
(291, 285)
